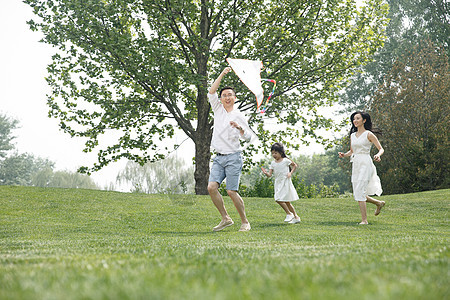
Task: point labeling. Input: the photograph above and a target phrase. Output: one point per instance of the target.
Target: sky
(23, 90)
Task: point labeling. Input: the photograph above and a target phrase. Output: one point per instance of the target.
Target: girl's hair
(279, 148)
(367, 124)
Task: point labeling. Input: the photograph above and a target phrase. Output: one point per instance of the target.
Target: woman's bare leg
(362, 208)
(378, 203)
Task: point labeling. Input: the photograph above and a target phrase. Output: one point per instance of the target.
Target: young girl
(364, 174)
(284, 189)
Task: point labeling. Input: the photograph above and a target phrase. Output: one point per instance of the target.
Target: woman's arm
(373, 139)
(348, 153)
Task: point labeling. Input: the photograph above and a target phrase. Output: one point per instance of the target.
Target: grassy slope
(83, 244)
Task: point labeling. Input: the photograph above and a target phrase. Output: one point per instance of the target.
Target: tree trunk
(202, 141)
(201, 174)
(203, 133)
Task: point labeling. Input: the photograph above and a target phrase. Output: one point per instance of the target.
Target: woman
(365, 180)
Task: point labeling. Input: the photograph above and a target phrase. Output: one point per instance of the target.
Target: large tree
(412, 107)
(141, 68)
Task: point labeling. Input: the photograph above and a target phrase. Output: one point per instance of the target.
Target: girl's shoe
(295, 221)
(289, 218)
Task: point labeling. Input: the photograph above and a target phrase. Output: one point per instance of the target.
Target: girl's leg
(378, 203)
(296, 218)
(289, 215)
(284, 206)
(291, 209)
(362, 208)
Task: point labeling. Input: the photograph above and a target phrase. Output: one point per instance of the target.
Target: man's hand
(226, 70)
(216, 83)
(236, 125)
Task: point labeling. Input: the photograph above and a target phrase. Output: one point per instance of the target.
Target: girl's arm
(373, 139)
(268, 174)
(293, 167)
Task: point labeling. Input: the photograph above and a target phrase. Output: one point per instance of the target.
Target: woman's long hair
(367, 125)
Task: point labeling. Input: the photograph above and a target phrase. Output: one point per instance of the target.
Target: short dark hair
(227, 88)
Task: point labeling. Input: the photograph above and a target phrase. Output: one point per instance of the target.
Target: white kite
(249, 71)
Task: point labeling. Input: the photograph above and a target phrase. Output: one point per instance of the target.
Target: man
(229, 126)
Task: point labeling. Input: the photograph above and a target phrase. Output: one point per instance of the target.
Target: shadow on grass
(184, 233)
(335, 223)
(268, 225)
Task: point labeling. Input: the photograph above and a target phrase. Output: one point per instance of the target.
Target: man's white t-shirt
(225, 139)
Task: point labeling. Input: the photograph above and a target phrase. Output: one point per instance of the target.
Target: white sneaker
(223, 224)
(245, 227)
(289, 218)
(295, 221)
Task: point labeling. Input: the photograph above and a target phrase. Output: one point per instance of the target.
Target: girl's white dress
(365, 180)
(283, 187)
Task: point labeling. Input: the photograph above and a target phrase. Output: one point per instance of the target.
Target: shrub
(263, 187)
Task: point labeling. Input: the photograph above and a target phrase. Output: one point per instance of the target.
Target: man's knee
(212, 187)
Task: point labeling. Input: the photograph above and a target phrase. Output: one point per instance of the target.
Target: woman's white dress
(365, 180)
(283, 187)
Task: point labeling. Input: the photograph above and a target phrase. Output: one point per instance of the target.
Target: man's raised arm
(216, 83)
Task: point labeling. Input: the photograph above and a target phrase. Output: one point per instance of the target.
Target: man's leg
(216, 176)
(239, 204)
(233, 169)
(216, 197)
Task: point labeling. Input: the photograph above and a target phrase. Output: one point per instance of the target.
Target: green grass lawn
(85, 244)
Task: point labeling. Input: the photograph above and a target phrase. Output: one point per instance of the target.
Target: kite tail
(264, 108)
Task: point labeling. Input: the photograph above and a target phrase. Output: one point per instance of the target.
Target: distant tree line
(319, 175)
(168, 176)
(28, 170)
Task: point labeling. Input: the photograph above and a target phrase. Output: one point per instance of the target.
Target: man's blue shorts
(227, 166)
